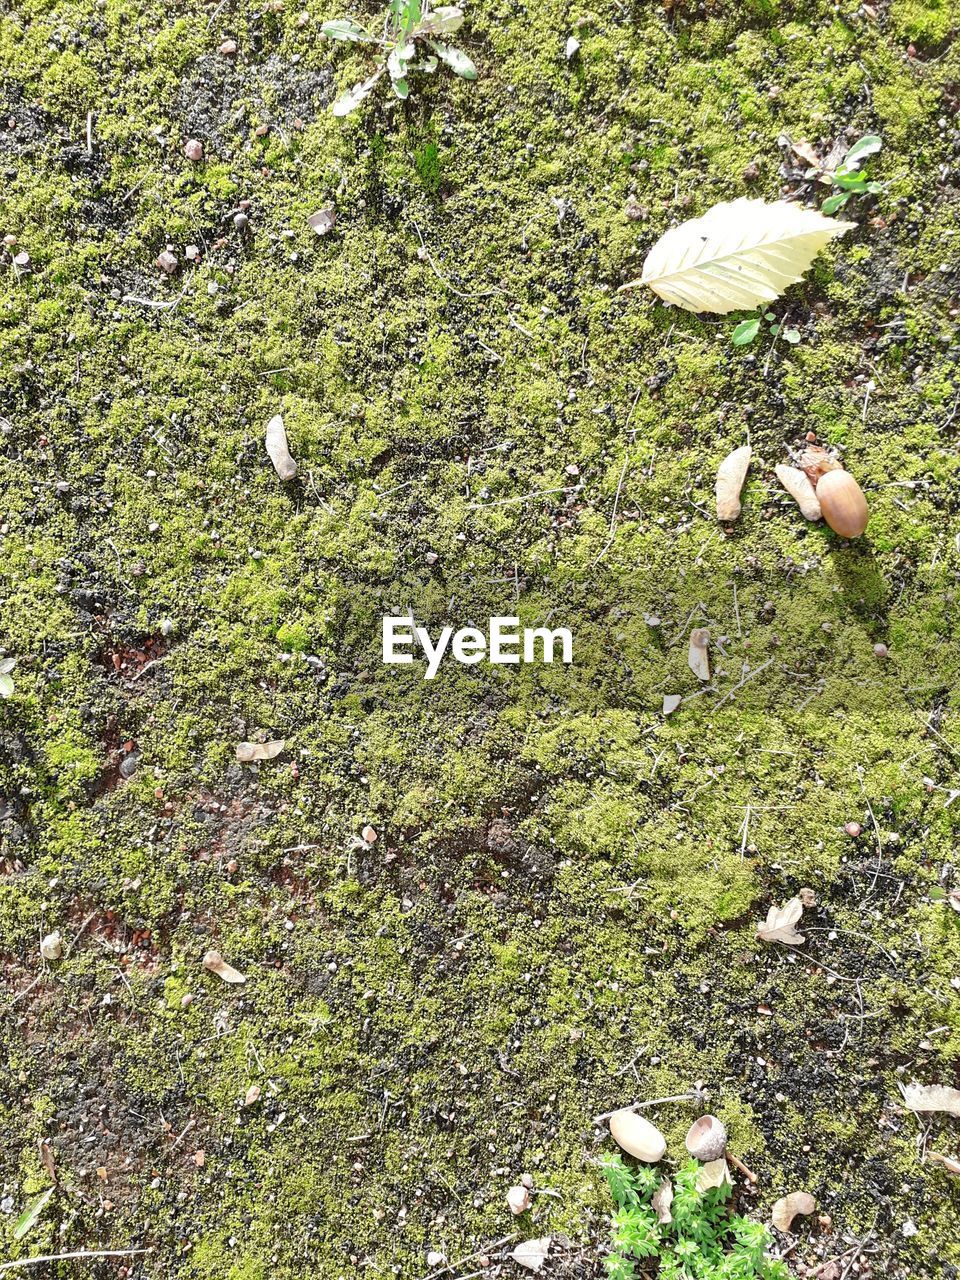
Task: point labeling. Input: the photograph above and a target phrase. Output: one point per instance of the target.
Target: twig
(738, 1163)
(524, 497)
(62, 1257)
(749, 676)
(90, 134)
(487, 1248)
(425, 256)
(651, 1102)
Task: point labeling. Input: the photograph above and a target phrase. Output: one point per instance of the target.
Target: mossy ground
(558, 915)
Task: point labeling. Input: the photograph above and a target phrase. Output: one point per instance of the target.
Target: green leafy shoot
(702, 1239)
(847, 177)
(749, 329)
(407, 46)
(32, 1214)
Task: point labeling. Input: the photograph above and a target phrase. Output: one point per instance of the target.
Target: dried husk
(785, 1210)
(698, 657)
(215, 962)
(800, 489)
(276, 444)
(731, 474)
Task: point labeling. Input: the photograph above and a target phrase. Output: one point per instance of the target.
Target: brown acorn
(841, 499)
(842, 503)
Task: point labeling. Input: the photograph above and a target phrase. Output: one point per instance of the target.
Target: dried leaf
(779, 923)
(324, 220)
(215, 962)
(800, 489)
(713, 1174)
(784, 1211)
(532, 1254)
(662, 1200)
(931, 1097)
(806, 152)
(252, 1095)
(251, 751)
(950, 1163)
(670, 703)
(572, 47)
(276, 445)
(31, 1215)
(739, 254)
(730, 477)
(46, 1157)
(698, 658)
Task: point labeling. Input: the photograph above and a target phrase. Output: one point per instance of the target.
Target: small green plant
(847, 178)
(701, 1241)
(748, 329)
(408, 44)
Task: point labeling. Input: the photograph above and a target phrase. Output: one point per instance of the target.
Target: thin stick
(61, 1257)
(738, 1163)
(487, 1248)
(651, 1102)
(749, 676)
(90, 134)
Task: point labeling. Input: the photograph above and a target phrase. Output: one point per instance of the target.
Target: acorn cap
(706, 1139)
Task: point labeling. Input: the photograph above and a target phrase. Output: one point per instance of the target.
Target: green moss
(558, 914)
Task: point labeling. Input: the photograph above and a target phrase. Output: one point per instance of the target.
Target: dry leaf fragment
(730, 477)
(571, 48)
(739, 254)
(778, 926)
(532, 1254)
(278, 450)
(252, 1095)
(697, 656)
(808, 897)
(46, 1156)
(800, 489)
(713, 1174)
(670, 703)
(806, 152)
(324, 220)
(251, 751)
(662, 1200)
(931, 1097)
(215, 962)
(785, 1210)
(950, 1163)
(51, 947)
(518, 1198)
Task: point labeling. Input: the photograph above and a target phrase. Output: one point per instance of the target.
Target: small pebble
(240, 220)
(193, 149)
(228, 49)
(852, 829)
(167, 262)
(880, 650)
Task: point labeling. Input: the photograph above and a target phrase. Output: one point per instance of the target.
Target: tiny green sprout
(700, 1237)
(747, 330)
(6, 679)
(847, 178)
(408, 45)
